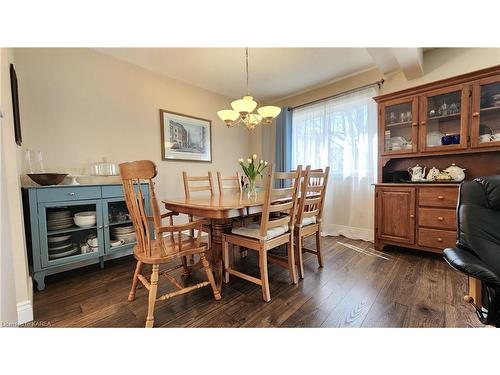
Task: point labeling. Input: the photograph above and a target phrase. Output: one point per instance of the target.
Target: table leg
(219, 227)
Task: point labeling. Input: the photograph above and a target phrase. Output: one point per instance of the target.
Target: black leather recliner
(478, 244)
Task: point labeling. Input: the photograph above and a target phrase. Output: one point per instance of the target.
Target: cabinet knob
(72, 193)
(422, 122)
(412, 216)
(415, 124)
(475, 114)
(440, 197)
(440, 239)
(440, 218)
(100, 227)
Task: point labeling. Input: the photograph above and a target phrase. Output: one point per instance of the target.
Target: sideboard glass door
(443, 119)
(486, 113)
(118, 229)
(399, 133)
(70, 231)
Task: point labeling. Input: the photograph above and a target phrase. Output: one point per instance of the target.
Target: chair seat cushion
(253, 230)
(308, 221)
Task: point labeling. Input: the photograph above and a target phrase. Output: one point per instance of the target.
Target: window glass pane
(341, 133)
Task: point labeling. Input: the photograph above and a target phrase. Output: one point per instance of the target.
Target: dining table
(220, 212)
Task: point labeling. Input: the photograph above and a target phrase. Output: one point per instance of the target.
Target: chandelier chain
(246, 53)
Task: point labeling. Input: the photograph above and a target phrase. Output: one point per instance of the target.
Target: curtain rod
(377, 83)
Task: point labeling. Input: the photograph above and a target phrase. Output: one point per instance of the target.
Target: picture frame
(185, 138)
(15, 106)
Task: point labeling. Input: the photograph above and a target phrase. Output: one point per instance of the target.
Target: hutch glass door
(399, 133)
(486, 113)
(444, 119)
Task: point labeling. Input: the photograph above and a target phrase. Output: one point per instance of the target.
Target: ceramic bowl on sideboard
(46, 179)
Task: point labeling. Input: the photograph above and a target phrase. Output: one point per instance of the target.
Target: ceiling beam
(384, 59)
(409, 60)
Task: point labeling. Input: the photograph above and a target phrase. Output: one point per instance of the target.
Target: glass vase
(251, 189)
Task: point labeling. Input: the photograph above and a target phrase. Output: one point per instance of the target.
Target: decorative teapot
(433, 173)
(416, 173)
(456, 173)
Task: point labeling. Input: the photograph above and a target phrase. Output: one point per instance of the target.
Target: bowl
(85, 219)
(47, 178)
(86, 214)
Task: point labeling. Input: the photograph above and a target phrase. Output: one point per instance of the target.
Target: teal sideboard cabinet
(48, 213)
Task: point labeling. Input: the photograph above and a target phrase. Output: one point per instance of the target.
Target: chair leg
(300, 257)
(225, 255)
(152, 296)
(291, 261)
(318, 248)
(210, 276)
(185, 267)
(138, 268)
(266, 294)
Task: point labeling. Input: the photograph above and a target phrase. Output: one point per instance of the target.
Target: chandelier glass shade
(242, 112)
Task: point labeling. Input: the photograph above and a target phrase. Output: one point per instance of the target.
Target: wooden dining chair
(234, 185)
(198, 184)
(309, 213)
(156, 249)
(272, 231)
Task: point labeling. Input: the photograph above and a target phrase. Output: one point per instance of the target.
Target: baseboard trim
(24, 312)
(349, 232)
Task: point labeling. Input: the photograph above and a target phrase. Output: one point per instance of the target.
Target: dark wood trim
(463, 78)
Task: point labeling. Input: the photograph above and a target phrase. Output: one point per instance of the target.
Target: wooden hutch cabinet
(456, 120)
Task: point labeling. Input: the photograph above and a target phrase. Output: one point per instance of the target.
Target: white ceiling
(274, 72)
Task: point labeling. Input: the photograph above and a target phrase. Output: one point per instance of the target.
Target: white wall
(13, 240)
(79, 105)
(8, 311)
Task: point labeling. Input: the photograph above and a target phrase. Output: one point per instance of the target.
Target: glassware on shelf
(392, 117)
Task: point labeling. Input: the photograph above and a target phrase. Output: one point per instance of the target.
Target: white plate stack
(125, 233)
(60, 219)
(61, 246)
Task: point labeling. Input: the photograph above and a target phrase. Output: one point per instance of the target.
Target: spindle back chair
(156, 248)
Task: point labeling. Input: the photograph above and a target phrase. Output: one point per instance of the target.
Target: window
(341, 133)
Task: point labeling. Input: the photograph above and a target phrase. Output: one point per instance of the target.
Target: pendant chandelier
(242, 112)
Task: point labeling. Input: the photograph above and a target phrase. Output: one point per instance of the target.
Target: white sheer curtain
(341, 133)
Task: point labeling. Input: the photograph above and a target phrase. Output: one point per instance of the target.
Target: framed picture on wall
(15, 106)
(185, 138)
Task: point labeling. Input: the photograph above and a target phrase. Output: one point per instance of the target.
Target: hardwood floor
(358, 287)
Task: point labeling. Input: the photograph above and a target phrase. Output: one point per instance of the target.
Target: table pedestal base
(217, 228)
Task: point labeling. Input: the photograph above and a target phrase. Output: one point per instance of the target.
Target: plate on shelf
(52, 239)
(65, 254)
(58, 227)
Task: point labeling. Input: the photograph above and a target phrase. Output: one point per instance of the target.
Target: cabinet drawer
(443, 218)
(112, 191)
(436, 239)
(70, 193)
(438, 197)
